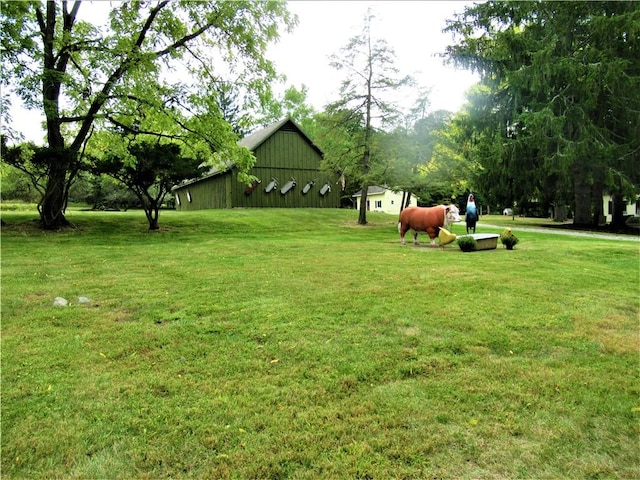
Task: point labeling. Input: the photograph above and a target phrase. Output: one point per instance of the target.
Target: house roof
(372, 190)
(252, 142)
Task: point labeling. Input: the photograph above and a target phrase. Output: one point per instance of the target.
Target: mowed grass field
(297, 344)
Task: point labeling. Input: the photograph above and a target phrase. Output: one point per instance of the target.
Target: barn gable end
(284, 153)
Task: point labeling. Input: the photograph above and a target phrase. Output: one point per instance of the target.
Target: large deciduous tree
(154, 68)
(365, 93)
(559, 108)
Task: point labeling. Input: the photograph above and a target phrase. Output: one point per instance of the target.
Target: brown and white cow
(427, 219)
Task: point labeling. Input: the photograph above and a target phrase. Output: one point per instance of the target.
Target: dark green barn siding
(284, 155)
(206, 194)
(294, 198)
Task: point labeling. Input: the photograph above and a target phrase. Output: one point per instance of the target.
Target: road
(574, 233)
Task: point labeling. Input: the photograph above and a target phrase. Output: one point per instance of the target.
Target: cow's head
(452, 214)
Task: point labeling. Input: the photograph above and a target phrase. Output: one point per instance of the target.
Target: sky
(413, 29)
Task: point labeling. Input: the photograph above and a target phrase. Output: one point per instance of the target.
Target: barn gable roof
(256, 139)
(252, 142)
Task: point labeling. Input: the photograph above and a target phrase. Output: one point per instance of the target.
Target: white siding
(386, 202)
(631, 208)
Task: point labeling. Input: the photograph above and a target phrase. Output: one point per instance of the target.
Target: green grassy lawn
(297, 344)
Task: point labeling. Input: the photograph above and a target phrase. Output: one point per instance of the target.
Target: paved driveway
(573, 233)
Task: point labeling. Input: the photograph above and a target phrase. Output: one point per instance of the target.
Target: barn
(287, 168)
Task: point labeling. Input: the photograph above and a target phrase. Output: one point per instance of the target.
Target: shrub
(508, 239)
(467, 243)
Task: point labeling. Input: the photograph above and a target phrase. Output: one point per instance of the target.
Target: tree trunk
(153, 224)
(559, 211)
(582, 196)
(408, 201)
(60, 161)
(597, 192)
(617, 217)
(362, 215)
(366, 157)
(151, 210)
(53, 204)
(152, 217)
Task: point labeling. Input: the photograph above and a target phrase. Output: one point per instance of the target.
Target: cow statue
(427, 219)
(471, 215)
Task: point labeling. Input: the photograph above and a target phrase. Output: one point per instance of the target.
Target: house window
(189, 196)
(378, 203)
(177, 199)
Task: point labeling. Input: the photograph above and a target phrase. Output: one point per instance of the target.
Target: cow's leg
(403, 231)
(433, 242)
(415, 238)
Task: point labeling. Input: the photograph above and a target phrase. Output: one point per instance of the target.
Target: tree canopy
(155, 69)
(149, 170)
(557, 115)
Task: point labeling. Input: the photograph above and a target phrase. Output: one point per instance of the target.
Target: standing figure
(471, 216)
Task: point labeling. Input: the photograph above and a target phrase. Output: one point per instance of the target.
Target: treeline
(552, 126)
(556, 116)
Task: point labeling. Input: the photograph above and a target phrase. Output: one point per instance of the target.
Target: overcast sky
(413, 29)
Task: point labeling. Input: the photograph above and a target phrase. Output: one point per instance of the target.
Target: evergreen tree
(369, 66)
(559, 108)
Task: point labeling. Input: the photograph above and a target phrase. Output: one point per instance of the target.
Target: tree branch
(115, 76)
(135, 131)
(183, 40)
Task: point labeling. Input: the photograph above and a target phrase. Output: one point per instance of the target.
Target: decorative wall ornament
(288, 186)
(326, 188)
(307, 187)
(252, 187)
(271, 186)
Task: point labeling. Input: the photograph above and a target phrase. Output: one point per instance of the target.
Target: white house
(632, 208)
(382, 199)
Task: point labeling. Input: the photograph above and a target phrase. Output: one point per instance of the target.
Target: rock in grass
(60, 302)
(84, 300)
